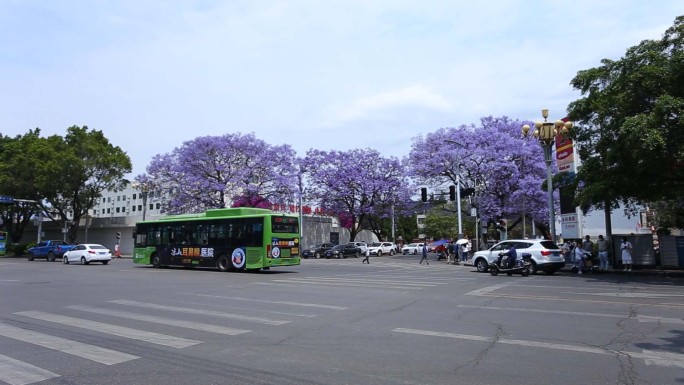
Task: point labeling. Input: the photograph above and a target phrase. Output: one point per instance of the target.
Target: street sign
(6, 199)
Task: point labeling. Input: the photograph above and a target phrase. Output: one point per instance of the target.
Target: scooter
(587, 267)
(522, 266)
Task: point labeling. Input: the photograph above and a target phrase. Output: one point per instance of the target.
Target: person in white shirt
(580, 254)
(626, 248)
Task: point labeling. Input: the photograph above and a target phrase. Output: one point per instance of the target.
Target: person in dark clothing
(425, 252)
(512, 254)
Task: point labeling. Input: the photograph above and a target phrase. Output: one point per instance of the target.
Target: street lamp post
(144, 188)
(546, 133)
(458, 187)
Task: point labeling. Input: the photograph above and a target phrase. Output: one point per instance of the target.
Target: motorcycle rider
(512, 254)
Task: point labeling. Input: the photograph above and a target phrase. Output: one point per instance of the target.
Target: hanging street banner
(565, 159)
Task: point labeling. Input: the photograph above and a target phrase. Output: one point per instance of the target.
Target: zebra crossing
(384, 275)
(17, 372)
(20, 326)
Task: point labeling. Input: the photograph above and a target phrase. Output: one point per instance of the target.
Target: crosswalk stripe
(151, 337)
(15, 372)
(89, 352)
(163, 321)
(356, 284)
(147, 305)
(370, 280)
(276, 302)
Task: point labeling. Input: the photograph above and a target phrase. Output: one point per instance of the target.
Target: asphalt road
(335, 322)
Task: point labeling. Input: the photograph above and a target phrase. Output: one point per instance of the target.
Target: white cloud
(411, 97)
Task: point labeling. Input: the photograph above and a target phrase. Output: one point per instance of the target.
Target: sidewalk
(636, 271)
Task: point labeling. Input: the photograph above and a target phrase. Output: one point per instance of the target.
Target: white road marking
(155, 338)
(371, 281)
(147, 305)
(9, 280)
(650, 357)
(87, 351)
(640, 318)
(489, 289)
(15, 372)
(162, 321)
(276, 302)
(308, 282)
(633, 295)
(646, 318)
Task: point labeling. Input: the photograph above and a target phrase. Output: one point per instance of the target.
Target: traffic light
(423, 194)
(466, 192)
(452, 193)
(118, 235)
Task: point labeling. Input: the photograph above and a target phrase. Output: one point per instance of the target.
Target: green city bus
(232, 239)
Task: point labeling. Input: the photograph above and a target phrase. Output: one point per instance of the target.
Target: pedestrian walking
(466, 250)
(626, 248)
(366, 259)
(602, 245)
(117, 251)
(425, 253)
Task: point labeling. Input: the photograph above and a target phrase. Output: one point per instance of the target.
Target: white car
(380, 248)
(361, 245)
(412, 248)
(86, 253)
(546, 255)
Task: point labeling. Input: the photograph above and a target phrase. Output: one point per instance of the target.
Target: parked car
(343, 251)
(86, 253)
(412, 248)
(317, 251)
(50, 250)
(380, 248)
(546, 255)
(361, 245)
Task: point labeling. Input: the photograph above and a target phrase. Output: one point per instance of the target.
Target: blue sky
(312, 74)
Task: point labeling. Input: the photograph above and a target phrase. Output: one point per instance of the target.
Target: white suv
(361, 245)
(380, 248)
(546, 255)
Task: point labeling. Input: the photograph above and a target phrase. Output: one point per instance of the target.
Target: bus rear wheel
(223, 263)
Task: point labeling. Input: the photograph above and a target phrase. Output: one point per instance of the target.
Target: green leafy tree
(16, 180)
(71, 172)
(440, 224)
(630, 126)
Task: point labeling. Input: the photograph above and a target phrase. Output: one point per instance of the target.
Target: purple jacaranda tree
(217, 171)
(505, 169)
(354, 184)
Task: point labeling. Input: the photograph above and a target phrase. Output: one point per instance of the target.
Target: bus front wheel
(223, 263)
(156, 262)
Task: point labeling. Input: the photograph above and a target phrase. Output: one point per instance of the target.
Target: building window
(117, 210)
(139, 207)
(134, 195)
(118, 198)
(134, 208)
(107, 211)
(151, 206)
(109, 199)
(158, 206)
